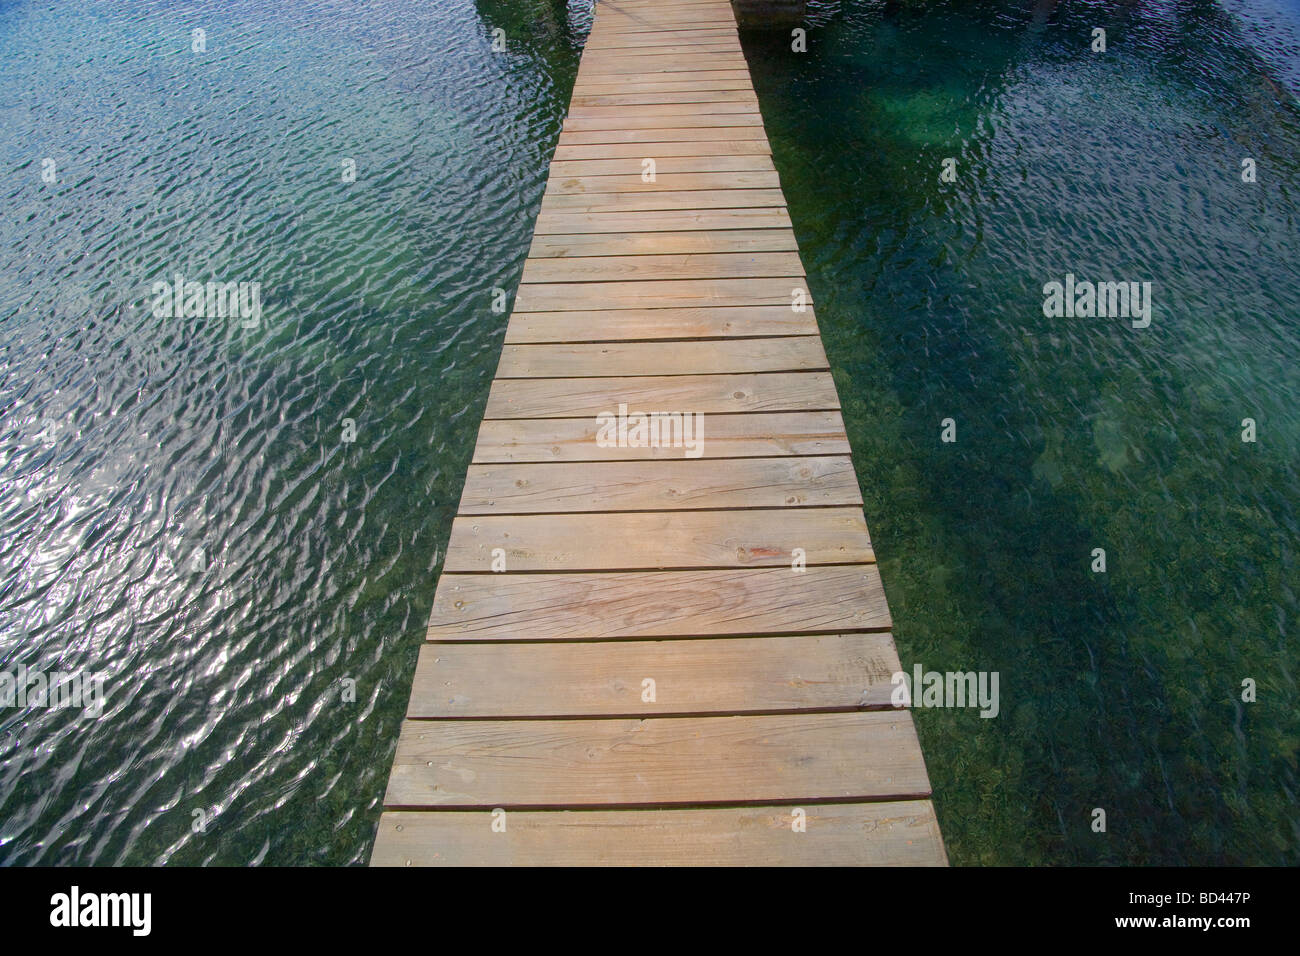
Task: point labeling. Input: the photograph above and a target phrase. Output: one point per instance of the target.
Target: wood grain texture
(698, 322)
(609, 63)
(702, 394)
(616, 202)
(760, 435)
(661, 484)
(724, 147)
(667, 166)
(553, 222)
(646, 604)
(631, 118)
(657, 762)
(706, 265)
(739, 675)
(667, 134)
(608, 38)
(726, 356)
(650, 44)
(657, 540)
(664, 182)
(646, 244)
(719, 81)
(678, 96)
(892, 833)
(563, 296)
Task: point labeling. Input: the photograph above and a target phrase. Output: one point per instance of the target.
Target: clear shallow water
(1119, 690)
(126, 441)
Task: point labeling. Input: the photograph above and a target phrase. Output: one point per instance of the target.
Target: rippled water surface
(130, 443)
(1121, 690)
(180, 511)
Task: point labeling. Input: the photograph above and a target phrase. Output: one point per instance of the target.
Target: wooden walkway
(650, 680)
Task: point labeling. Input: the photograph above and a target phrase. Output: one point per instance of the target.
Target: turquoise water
(131, 442)
(1119, 690)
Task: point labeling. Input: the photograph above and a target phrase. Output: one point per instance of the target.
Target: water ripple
(180, 511)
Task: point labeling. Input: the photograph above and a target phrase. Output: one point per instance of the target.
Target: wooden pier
(660, 655)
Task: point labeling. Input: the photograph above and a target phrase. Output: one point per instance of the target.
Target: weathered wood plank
(603, 186)
(639, 151)
(552, 223)
(657, 762)
(633, 119)
(698, 242)
(654, 21)
(706, 40)
(698, 82)
(702, 394)
(748, 321)
(889, 833)
(684, 134)
(673, 111)
(643, 604)
(645, 267)
(705, 48)
(729, 675)
(759, 435)
(668, 199)
(662, 540)
(660, 484)
(688, 31)
(667, 166)
(665, 65)
(724, 356)
(562, 296)
(744, 97)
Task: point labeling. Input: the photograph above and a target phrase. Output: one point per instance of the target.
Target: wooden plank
(703, 394)
(664, 167)
(705, 80)
(705, 47)
(655, 121)
(676, 111)
(658, 220)
(661, 65)
(761, 435)
(669, 199)
(643, 604)
(889, 833)
(713, 12)
(621, 23)
(746, 321)
(646, 541)
(638, 151)
(603, 186)
(723, 356)
(611, 35)
(743, 97)
(709, 133)
(607, 268)
(735, 78)
(563, 296)
(667, 38)
(616, 17)
(657, 762)
(662, 243)
(652, 29)
(733, 675)
(661, 483)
